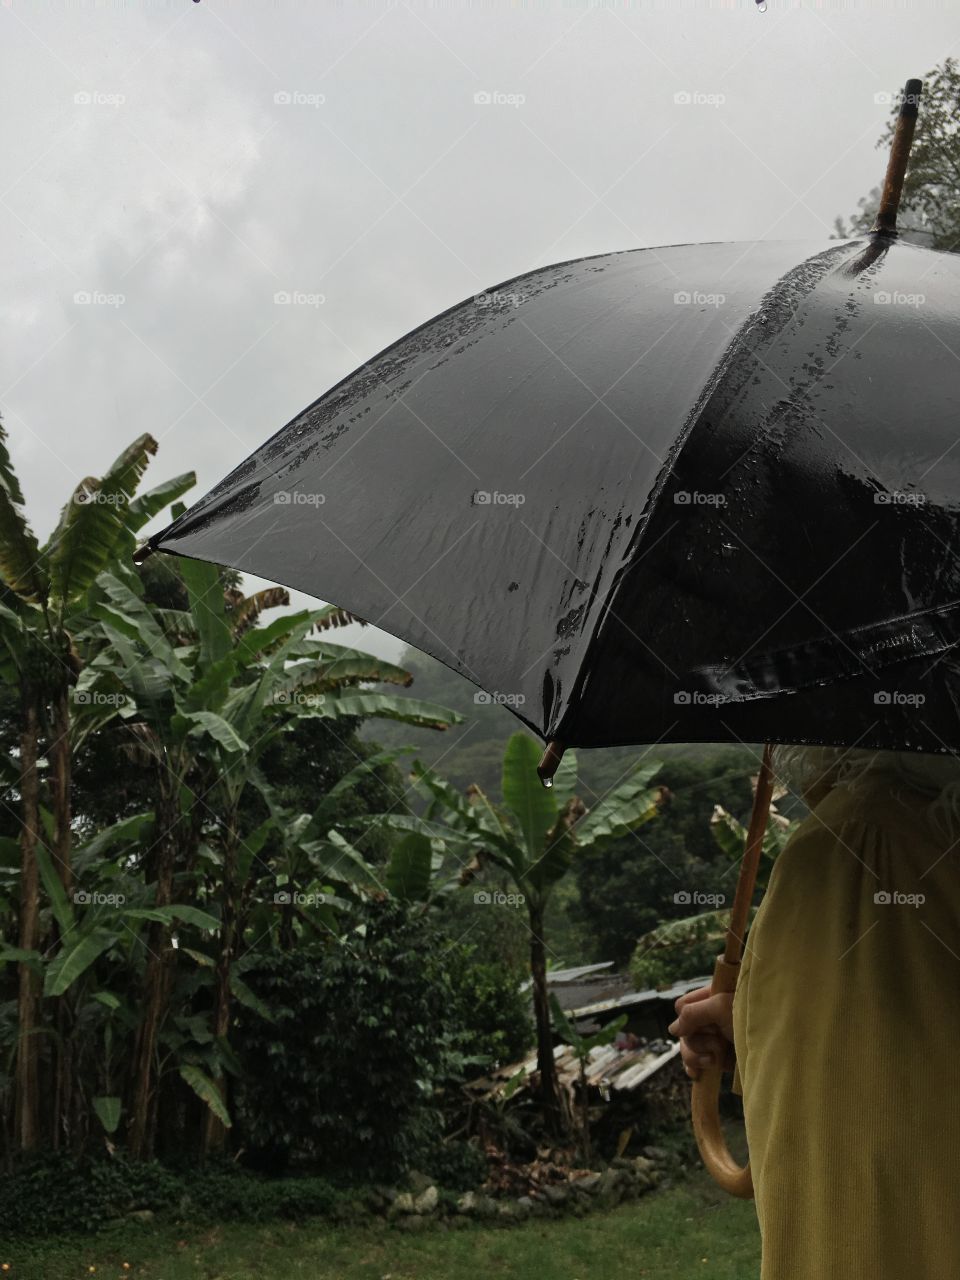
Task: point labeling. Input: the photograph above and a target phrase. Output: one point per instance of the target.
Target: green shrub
(492, 1012)
(54, 1193)
(456, 1166)
(57, 1194)
(343, 1080)
(237, 1195)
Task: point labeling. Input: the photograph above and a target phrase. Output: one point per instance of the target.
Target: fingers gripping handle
(705, 1097)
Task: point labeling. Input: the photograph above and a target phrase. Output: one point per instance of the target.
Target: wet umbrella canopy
(695, 493)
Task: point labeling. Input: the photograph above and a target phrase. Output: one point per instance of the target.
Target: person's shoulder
(876, 804)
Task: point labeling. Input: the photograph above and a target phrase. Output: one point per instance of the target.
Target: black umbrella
(697, 493)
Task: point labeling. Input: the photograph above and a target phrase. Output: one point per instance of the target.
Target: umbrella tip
(549, 761)
(142, 553)
(886, 223)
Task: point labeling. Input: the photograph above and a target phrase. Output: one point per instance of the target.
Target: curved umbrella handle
(705, 1098)
(705, 1107)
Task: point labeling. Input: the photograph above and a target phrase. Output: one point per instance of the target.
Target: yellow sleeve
(736, 1086)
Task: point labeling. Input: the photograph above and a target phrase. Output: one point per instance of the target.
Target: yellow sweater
(847, 1027)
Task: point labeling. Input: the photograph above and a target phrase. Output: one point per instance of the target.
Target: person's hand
(705, 1027)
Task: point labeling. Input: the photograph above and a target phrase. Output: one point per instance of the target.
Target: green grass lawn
(691, 1230)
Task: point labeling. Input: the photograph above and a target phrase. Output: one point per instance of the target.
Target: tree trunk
(59, 753)
(26, 1084)
(214, 1133)
(158, 973)
(546, 1066)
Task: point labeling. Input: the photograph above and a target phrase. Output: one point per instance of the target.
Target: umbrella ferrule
(550, 761)
(886, 223)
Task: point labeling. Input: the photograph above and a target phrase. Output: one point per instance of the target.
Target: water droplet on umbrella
(547, 782)
(761, 7)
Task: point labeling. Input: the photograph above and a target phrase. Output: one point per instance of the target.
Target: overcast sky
(168, 169)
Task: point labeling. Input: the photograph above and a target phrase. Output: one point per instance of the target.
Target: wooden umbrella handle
(705, 1110)
(705, 1097)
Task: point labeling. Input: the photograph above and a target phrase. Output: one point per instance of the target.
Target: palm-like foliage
(533, 836)
(42, 612)
(679, 949)
(206, 694)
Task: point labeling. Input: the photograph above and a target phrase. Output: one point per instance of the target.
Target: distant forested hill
(472, 752)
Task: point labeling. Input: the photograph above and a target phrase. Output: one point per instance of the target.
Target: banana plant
(43, 596)
(533, 836)
(207, 694)
(681, 948)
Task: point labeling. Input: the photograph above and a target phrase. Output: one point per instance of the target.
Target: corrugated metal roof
(607, 1068)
